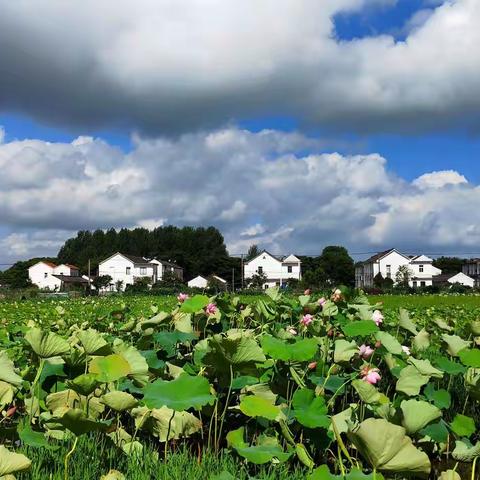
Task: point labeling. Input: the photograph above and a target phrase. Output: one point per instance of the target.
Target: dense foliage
(332, 384)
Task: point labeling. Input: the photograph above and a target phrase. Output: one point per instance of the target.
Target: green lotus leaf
(260, 390)
(421, 341)
(344, 351)
(7, 370)
(406, 322)
(389, 342)
(465, 452)
(46, 344)
(159, 318)
(110, 368)
(329, 309)
(238, 349)
(138, 364)
(323, 473)
(462, 425)
(449, 366)
(442, 324)
(297, 351)
(368, 393)
(475, 327)
(119, 401)
(470, 358)
(194, 304)
(133, 448)
(472, 382)
(438, 432)
(418, 414)
(183, 322)
(441, 398)
(222, 476)
(77, 422)
(411, 381)
(11, 462)
(93, 343)
(113, 475)
(84, 384)
(309, 410)
(387, 448)
(244, 381)
(254, 406)
(425, 367)
(168, 340)
(360, 328)
(455, 344)
(33, 439)
(7, 392)
(273, 293)
(180, 394)
(342, 419)
(65, 398)
(449, 475)
(266, 449)
(182, 424)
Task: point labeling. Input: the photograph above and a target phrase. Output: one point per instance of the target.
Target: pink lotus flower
(322, 301)
(306, 319)
(365, 351)
(307, 292)
(337, 295)
(370, 375)
(211, 309)
(377, 317)
(182, 297)
(312, 365)
(406, 350)
(292, 331)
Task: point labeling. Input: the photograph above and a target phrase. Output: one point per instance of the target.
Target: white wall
(41, 275)
(116, 267)
(65, 270)
(394, 260)
(275, 270)
(198, 282)
(462, 279)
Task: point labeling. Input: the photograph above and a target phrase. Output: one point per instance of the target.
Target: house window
(289, 269)
(260, 269)
(265, 286)
(389, 271)
(414, 284)
(127, 270)
(420, 268)
(423, 284)
(143, 270)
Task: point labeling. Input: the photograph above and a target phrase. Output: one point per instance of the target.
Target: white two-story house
(277, 269)
(387, 264)
(49, 276)
(125, 269)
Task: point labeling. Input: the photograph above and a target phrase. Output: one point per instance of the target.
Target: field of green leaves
(228, 387)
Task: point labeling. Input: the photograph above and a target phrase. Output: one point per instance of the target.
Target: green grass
(93, 458)
(426, 301)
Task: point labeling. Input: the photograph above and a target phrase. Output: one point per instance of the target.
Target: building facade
(49, 276)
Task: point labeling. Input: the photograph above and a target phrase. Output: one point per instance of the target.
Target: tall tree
(449, 264)
(337, 265)
(253, 251)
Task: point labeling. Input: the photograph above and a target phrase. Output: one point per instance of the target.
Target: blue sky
(372, 109)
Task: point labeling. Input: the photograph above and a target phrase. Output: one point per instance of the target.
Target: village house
(278, 270)
(202, 282)
(125, 269)
(49, 276)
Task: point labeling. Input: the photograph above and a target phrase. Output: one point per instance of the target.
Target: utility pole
(233, 280)
(89, 282)
(242, 274)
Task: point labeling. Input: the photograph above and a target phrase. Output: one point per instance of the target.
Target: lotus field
(326, 388)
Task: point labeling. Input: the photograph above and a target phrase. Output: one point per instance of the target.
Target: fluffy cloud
(161, 66)
(280, 190)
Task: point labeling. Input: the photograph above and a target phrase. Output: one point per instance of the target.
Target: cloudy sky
(292, 124)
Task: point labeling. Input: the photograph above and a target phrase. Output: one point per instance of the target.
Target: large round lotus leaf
(84, 384)
(462, 425)
(344, 351)
(421, 341)
(168, 341)
(138, 364)
(298, 351)
(65, 398)
(465, 452)
(323, 473)
(449, 366)
(406, 322)
(11, 462)
(411, 381)
(449, 475)
(309, 410)
(194, 304)
(132, 448)
(253, 406)
(180, 394)
(119, 401)
(472, 382)
(455, 344)
(368, 393)
(113, 475)
(418, 414)
(387, 448)
(77, 422)
(93, 343)
(183, 322)
(237, 349)
(425, 367)
(475, 327)
(6, 394)
(7, 371)
(110, 368)
(389, 342)
(183, 424)
(46, 344)
(470, 358)
(360, 328)
(266, 450)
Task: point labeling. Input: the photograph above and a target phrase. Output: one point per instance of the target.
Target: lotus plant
(211, 309)
(370, 374)
(306, 320)
(365, 351)
(182, 297)
(377, 317)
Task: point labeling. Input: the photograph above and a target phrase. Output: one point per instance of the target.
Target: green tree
(449, 265)
(257, 280)
(16, 276)
(253, 251)
(101, 281)
(403, 275)
(337, 265)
